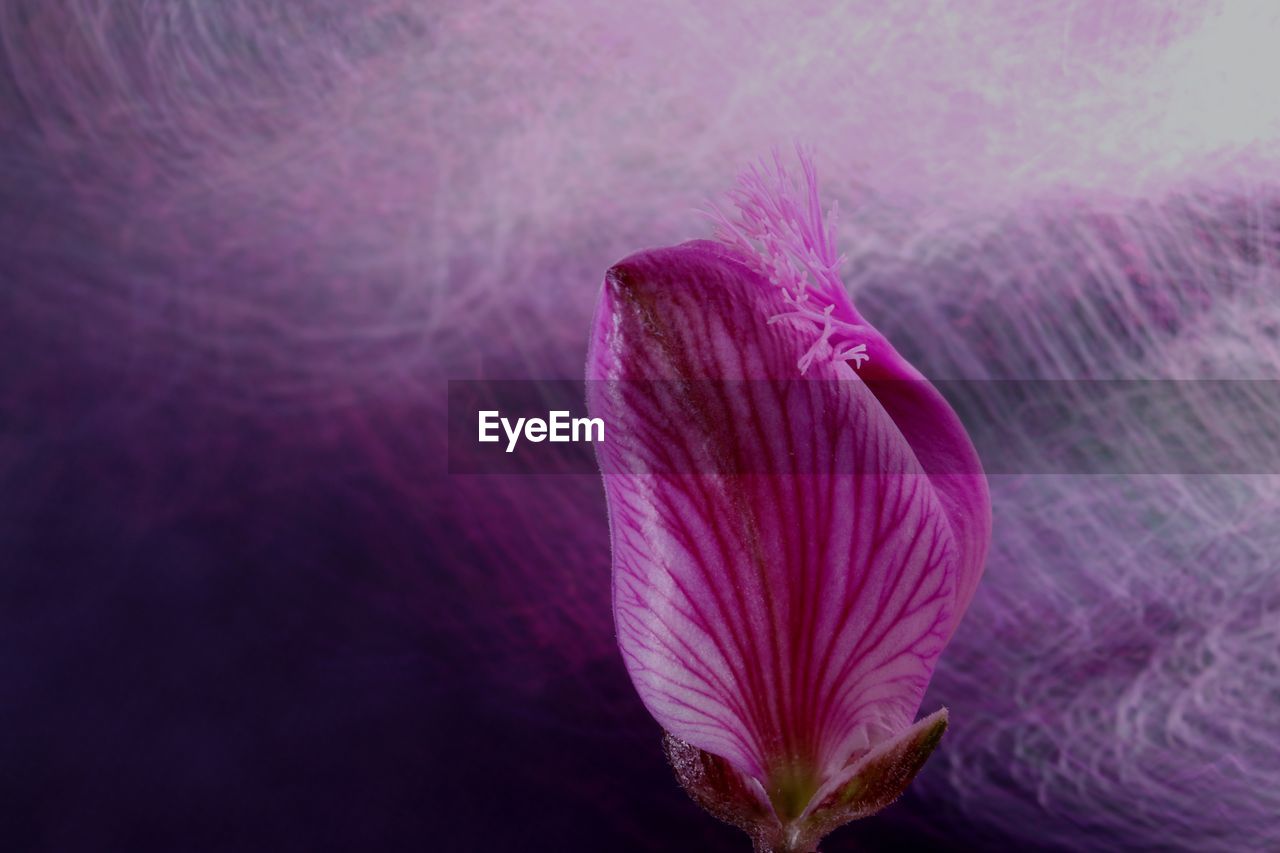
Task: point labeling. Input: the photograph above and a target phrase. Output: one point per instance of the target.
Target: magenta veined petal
(791, 556)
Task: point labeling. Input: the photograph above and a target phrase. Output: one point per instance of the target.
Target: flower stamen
(791, 246)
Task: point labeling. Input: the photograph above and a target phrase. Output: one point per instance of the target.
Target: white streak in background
(306, 209)
(1218, 86)
(1120, 689)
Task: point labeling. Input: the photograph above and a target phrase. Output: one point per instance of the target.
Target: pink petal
(787, 240)
(799, 519)
(939, 441)
(786, 622)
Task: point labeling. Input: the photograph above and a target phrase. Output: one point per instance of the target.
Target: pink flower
(798, 519)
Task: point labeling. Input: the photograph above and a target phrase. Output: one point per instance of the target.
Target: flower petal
(939, 441)
(788, 240)
(786, 621)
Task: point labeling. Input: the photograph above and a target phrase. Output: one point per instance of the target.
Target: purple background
(244, 245)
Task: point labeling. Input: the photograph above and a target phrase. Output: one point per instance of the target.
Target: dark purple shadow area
(224, 631)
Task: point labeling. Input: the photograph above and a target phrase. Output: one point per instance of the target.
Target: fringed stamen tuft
(790, 243)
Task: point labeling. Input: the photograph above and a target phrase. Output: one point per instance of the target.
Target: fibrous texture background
(243, 245)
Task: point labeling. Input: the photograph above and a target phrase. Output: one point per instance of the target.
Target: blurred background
(244, 245)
